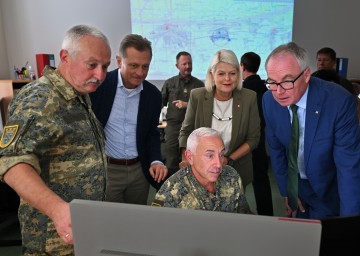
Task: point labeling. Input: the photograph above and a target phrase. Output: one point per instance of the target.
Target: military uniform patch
(157, 203)
(8, 135)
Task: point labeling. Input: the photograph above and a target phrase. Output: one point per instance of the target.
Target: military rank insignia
(8, 135)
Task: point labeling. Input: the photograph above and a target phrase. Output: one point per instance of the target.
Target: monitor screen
(103, 228)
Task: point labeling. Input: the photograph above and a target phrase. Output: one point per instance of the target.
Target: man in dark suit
(326, 60)
(129, 108)
(328, 160)
(249, 65)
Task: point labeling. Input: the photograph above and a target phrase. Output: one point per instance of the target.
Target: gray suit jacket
(245, 124)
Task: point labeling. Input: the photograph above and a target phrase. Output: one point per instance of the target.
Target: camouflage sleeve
(164, 197)
(172, 191)
(27, 131)
(243, 206)
(8, 162)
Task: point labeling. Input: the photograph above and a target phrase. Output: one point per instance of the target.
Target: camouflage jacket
(182, 190)
(52, 128)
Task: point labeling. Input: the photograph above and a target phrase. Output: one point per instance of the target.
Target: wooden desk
(17, 84)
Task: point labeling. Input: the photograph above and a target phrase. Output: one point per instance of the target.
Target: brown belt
(126, 162)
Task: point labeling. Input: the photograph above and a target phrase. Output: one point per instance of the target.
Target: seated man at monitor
(205, 184)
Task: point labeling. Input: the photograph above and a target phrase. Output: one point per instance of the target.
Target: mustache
(94, 80)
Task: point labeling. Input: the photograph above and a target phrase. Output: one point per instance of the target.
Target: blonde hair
(224, 56)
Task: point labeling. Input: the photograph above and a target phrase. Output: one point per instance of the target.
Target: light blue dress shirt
(120, 130)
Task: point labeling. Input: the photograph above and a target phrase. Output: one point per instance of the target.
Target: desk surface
(21, 81)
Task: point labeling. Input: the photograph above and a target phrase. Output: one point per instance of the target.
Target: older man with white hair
(205, 184)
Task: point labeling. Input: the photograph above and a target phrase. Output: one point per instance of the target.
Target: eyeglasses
(286, 85)
(222, 119)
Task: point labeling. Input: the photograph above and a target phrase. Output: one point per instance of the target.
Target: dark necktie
(292, 161)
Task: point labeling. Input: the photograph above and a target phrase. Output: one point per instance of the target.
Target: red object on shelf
(42, 60)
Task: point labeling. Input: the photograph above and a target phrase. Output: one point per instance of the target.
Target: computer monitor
(340, 236)
(103, 228)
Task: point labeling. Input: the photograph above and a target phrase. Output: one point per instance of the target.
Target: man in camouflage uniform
(175, 95)
(52, 147)
(206, 184)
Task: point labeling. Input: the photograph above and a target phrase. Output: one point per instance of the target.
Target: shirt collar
(59, 82)
(121, 84)
(200, 188)
(186, 79)
(302, 102)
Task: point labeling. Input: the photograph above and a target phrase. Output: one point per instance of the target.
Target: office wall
(38, 26)
(331, 23)
(3, 54)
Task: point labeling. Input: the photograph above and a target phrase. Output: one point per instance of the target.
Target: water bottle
(31, 73)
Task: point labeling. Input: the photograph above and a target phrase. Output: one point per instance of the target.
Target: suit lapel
(107, 93)
(208, 105)
(144, 107)
(236, 114)
(313, 112)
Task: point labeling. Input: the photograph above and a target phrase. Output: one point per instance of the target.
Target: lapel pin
(316, 112)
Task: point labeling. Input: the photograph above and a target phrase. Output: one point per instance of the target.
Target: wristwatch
(230, 161)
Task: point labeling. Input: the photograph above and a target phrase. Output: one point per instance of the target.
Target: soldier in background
(175, 94)
(52, 147)
(205, 184)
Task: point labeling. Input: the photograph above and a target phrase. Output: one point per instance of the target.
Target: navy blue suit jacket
(331, 145)
(147, 133)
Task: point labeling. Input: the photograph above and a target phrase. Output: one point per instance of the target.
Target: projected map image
(203, 27)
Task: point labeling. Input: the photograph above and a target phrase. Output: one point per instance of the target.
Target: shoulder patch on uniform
(157, 203)
(8, 135)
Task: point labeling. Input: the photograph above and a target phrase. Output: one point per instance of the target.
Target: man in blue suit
(129, 108)
(328, 158)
